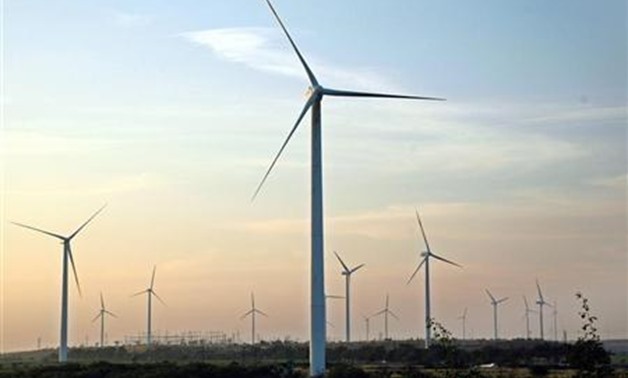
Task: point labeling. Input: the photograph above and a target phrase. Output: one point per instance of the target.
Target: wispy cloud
(263, 49)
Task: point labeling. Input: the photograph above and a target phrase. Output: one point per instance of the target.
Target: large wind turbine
(347, 273)
(317, 274)
(385, 312)
(101, 314)
(463, 317)
(527, 315)
(149, 293)
(67, 255)
(252, 312)
(426, 260)
(541, 302)
(495, 303)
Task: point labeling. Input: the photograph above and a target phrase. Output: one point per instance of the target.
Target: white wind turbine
(347, 273)
(67, 255)
(253, 311)
(426, 260)
(463, 317)
(385, 312)
(149, 293)
(495, 303)
(541, 302)
(101, 314)
(317, 274)
(527, 315)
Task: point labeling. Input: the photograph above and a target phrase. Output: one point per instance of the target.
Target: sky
(170, 113)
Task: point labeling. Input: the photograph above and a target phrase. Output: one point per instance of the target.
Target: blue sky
(170, 112)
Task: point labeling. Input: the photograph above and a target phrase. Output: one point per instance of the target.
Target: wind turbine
(495, 303)
(541, 302)
(555, 313)
(149, 293)
(317, 274)
(367, 320)
(252, 312)
(527, 315)
(67, 255)
(426, 260)
(385, 312)
(101, 314)
(463, 317)
(347, 273)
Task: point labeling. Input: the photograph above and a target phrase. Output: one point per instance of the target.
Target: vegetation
(588, 355)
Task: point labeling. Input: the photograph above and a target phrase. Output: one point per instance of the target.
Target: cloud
(262, 49)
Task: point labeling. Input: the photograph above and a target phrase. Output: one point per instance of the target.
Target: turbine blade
(87, 221)
(39, 230)
(152, 279)
(538, 287)
(490, 295)
(330, 324)
(356, 268)
(427, 244)
(344, 93)
(307, 106)
(387, 301)
(393, 314)
(334, 297)
(78, 285)
(158, 297)
(261, 312)
(247, 314)
(416, 270)
(310, 75)
(111, 313)
(102, 302)
(525, 301)
(252, 300)
(502, 300)
(139, 293)
(344, 266)
(378, 313)
(445, 260)
(97, 317)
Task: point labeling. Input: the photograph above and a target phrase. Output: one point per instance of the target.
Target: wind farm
(172, 114)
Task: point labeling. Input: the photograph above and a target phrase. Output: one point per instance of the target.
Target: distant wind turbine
(541, 302)
(555, 313)
(426, 260)
(463, 317)
(527, 315)
(385, 312)
(347, 273)
(367, 320)
(67, 255)
(253, 311)
(101, 314)
(149, 293)
(317, 274)
(495, 303)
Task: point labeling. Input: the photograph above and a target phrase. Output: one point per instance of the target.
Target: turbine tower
(527, 315)
(317, 274)
(541, 302)
(347, 273)
(101, 314)
(555, 313)
(463, 317)
(67, 255)
(367, 320)
(426, 260)
(495, 303)
(386, 311)
(253, 311)
(149, 293)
